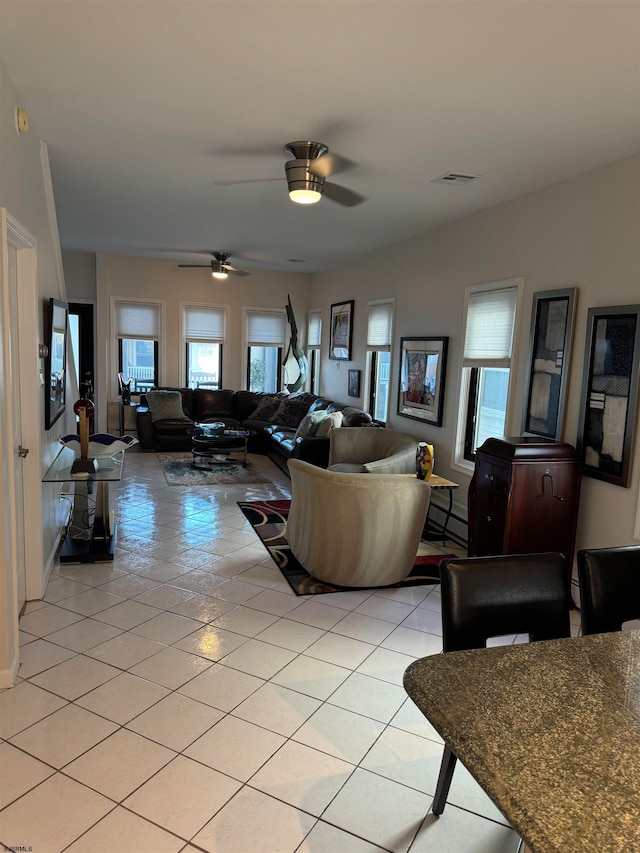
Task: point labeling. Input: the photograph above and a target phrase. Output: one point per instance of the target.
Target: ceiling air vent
(454, 178)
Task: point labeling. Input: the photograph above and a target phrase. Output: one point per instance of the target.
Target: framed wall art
(353, 388)
(341, 331)
(548, 368)
(55, 366)
(423, 363)
(609, 392)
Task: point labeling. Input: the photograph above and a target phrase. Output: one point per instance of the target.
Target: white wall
(80, 275)
(580, 233)
(160, 280)
(23, 193)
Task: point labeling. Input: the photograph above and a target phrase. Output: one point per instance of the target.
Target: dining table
(550, 730)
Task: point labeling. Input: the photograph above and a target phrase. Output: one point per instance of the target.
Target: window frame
(372, 360)
(117, 354)
(187, 339)
(313, 353)
(470, 376)
(279, 344)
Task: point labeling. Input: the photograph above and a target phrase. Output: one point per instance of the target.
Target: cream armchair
(358, 450)
(352, 530)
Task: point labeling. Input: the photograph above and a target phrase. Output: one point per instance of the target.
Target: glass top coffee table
(213, 444)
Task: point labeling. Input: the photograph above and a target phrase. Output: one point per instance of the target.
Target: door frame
(14, 234)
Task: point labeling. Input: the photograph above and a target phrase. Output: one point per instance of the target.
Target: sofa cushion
(292, 409)
(266, 408)
(210, 405)
(165, 405)
(309, 424)
(329, 422)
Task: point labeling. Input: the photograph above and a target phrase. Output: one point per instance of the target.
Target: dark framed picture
(548, 369)
(609, 392)
(353, 389)
(55, 366)
(423, 363)
(341, 331)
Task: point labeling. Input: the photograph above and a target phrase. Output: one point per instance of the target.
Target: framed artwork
(423, 363)
(609, 392)
(55, 366)
(341, 331)
(353, 389)
(548, 370)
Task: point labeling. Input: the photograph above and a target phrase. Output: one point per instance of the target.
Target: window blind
(265, 328)
(490, 326)
(314, 329)
(380, 324)
(204, 324)
(138, 320)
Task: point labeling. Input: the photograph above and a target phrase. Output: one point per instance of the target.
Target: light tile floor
(183, 698)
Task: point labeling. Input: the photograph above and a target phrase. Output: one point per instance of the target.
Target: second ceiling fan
(220, 269)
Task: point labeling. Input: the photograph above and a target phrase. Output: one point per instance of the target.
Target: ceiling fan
(219, 267)
(307, 172)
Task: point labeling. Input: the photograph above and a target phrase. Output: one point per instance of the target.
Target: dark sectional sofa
(235, 409)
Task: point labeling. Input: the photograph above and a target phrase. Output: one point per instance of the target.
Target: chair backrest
(485, 597)
(609, 587)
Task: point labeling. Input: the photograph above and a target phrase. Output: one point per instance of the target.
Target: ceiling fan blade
(330, 164)
(234, 271)
(343, 196)
(204, 266)
(247, 181)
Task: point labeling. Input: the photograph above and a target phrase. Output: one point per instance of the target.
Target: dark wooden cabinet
(524, 497)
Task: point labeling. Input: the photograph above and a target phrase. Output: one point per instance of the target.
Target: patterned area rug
(179, 471)
(269, 520)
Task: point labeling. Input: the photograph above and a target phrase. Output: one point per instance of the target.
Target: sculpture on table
(296, 365)
(125, 389)
(83, 466)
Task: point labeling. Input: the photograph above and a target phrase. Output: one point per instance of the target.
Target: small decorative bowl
(211, 430)
(100, 444)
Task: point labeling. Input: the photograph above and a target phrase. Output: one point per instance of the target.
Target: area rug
(179, 471)
(269, 520)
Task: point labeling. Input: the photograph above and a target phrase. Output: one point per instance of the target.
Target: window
(314, 337)
(265, 341)
(488, 346)
(204, 332)
(379, 332)
(138, 331)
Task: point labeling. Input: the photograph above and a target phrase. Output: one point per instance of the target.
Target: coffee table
(212, 444)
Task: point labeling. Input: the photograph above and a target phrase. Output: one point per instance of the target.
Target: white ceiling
(147, 104)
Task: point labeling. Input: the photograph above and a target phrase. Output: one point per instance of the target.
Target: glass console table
(91, 532)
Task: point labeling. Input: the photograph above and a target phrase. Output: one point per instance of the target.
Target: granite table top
(550, 730)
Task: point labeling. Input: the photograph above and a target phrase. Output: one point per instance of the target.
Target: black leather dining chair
(485, 597)
(609, 581)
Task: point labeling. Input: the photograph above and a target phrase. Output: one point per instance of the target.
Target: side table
(122, 406)
(437, 484)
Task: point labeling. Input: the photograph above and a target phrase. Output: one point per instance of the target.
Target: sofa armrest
(144, 426)
(312, 449)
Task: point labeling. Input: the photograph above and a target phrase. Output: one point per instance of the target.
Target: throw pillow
(329, 422)
(165, 406)
(292, 409)
(266, 407)
(310, 423)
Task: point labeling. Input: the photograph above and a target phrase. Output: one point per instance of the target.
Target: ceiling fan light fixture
(304, 188)
(218, 271)
(305, 196)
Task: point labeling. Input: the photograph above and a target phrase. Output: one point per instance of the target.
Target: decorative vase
(424, 460)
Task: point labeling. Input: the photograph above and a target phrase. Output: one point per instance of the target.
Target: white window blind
(204, 324)
(314, 329)
(265, 328)
(380, 325)
(137, 320)
(490, 325)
